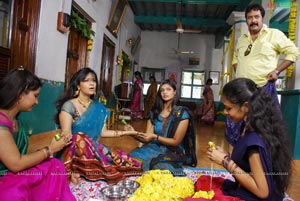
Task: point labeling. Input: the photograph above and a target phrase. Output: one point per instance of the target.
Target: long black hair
(16, 82)
(159, 102)
(78, 77)
(265, 118)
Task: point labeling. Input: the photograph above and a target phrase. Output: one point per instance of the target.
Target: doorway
(19, 21)
(77, 54)
(107, 66)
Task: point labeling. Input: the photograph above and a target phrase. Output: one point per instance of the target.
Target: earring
(77, 92)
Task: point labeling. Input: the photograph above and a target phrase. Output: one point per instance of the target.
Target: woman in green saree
(34, 176)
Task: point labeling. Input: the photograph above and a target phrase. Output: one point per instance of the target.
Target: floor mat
(90, 191)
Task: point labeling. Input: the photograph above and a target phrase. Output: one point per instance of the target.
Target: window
(159, 75)
(5, 23)
(192, 84)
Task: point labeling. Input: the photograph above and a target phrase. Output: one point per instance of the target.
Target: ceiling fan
(179, 27)
(178, 51)
(180, 30)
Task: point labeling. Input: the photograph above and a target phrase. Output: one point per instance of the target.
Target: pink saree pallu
(46, 181)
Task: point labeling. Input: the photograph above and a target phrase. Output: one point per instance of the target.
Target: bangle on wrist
(226, 161)
(47, 149)
(157, 137)
(233, 169)
(277, 72)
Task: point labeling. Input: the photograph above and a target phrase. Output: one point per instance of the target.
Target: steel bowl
(115, 193)
(130, 184)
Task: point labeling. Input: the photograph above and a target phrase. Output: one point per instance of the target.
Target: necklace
(85, 104)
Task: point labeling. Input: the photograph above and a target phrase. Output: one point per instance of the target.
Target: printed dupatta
(92, 120)
(186, 151)
(20, 138)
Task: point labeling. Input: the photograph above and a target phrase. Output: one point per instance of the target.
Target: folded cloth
(203, 184)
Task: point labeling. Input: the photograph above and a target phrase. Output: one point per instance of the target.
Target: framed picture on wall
(215, 76)
(116, 16)
(280, 83)
(173, 75)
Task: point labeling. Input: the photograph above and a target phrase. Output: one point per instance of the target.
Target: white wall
(52, 44)
(157, 51)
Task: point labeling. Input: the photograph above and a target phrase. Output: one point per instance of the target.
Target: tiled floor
(204, 134)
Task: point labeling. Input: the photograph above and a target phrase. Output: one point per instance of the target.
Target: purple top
(250, 142)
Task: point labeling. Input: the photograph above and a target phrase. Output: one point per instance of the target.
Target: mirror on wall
(5, 22)
(116, 16)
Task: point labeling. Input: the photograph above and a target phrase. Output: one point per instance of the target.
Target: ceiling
(209, 16)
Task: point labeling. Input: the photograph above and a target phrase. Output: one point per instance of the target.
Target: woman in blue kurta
(260, 160)
(168, 133)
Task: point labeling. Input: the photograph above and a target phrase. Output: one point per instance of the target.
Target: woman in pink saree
(206, 111)
(137, 103)
(33, 176)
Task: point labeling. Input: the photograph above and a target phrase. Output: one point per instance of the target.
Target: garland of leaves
(124, 62)
(230, 47)
(292, 32)
(81, 25)
(271, 8)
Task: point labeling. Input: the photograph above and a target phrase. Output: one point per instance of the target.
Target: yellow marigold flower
(204, 194)
(158, 185)
(212, 145)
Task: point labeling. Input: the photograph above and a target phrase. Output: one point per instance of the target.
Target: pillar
(290, 99)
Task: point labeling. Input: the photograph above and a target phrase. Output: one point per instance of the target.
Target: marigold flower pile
(162, 185)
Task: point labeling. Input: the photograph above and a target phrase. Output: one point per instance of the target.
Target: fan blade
(192, 31)
(180, 29)
(177, 51)
(187, 52)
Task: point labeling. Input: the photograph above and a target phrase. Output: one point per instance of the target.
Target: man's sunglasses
(248, 50)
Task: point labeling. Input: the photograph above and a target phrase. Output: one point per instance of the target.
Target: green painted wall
(41, 118)
(290, 104)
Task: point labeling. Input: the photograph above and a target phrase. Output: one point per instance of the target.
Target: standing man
(256, 57)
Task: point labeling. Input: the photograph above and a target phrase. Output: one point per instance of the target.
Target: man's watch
(277, 72)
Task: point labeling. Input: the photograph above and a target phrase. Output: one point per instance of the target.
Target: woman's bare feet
(75, 178)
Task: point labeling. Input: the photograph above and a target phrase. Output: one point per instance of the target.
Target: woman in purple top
(260, 160)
